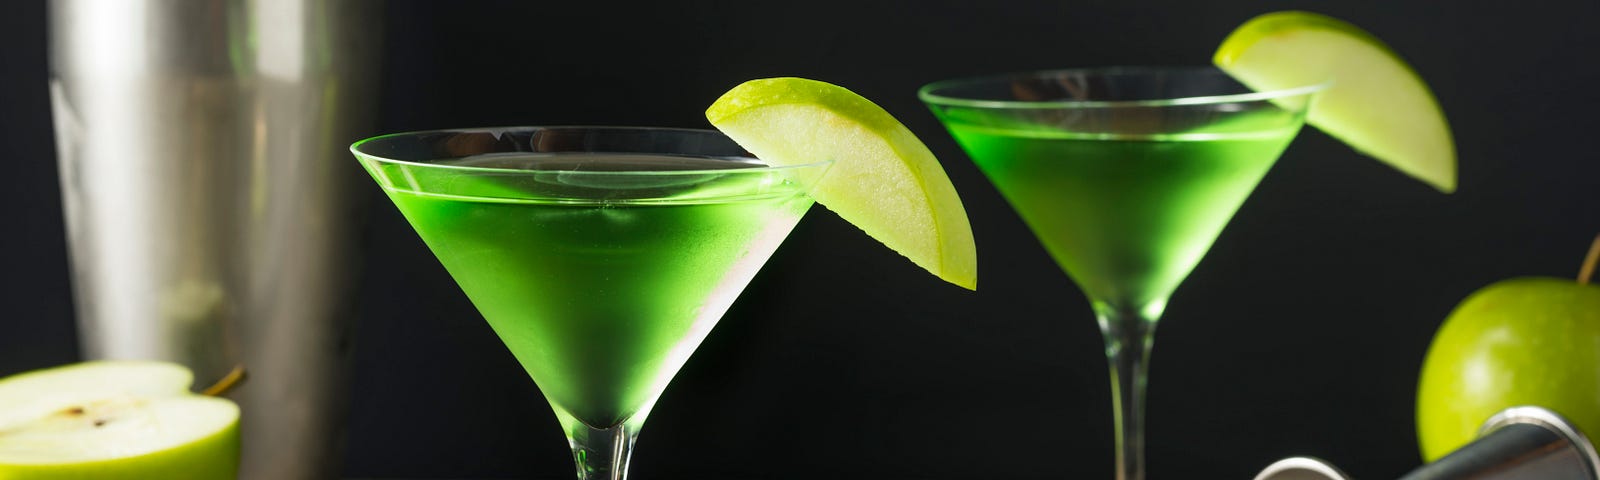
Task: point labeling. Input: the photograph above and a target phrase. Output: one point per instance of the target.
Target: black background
(1301, 332)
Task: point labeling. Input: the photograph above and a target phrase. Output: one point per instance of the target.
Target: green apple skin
(213, 458)
(1524, 341)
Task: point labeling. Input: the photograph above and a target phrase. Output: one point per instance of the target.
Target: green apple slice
(115, 421)
(1376, 103)
(883, 179)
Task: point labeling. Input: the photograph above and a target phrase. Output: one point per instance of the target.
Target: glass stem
(601, 453)
(1128, 334)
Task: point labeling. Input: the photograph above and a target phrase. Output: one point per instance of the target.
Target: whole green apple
(115, 421)
(1524, 341)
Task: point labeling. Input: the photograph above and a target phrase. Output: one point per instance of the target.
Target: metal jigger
(1519, 443)
(1301, 468)
(210, 201)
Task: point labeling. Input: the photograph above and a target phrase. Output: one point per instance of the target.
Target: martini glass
(1126, 175)
(601, 256)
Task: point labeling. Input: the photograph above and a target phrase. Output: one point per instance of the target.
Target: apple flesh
(115, 421)
(1525, 341)
(883, 179)
(1376, 103)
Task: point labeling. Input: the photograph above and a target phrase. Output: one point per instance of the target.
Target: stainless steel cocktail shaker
(1519, 443)
(209, 197)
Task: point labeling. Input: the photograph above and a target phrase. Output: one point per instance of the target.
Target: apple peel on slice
(115, 420)
(883, 179)
(1376, 103)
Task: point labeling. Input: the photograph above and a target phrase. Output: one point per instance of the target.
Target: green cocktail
(602, 299)
(601, 257)
(1126, 176)
(1127, 218)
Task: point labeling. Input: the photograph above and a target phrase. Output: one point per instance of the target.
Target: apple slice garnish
(115, 420)
(1376, 103)
(883, 179)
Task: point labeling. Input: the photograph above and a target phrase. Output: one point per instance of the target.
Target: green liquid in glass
(603, 291)
(1127, 217)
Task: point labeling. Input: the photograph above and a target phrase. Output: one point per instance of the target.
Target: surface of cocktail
(602, 286)
(1126, 216)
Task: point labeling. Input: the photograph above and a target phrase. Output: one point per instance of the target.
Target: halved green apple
(883, 179)
(115, 420)
(1376, 104)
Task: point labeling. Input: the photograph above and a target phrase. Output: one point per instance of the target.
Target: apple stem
(1587, 272)
(228, 382)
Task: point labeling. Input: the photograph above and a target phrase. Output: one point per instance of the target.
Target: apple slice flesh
(115, 420)
(1376, 104)
(883, 179)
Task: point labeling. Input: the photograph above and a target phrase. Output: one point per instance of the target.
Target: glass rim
(926, 92)
(752, 168)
